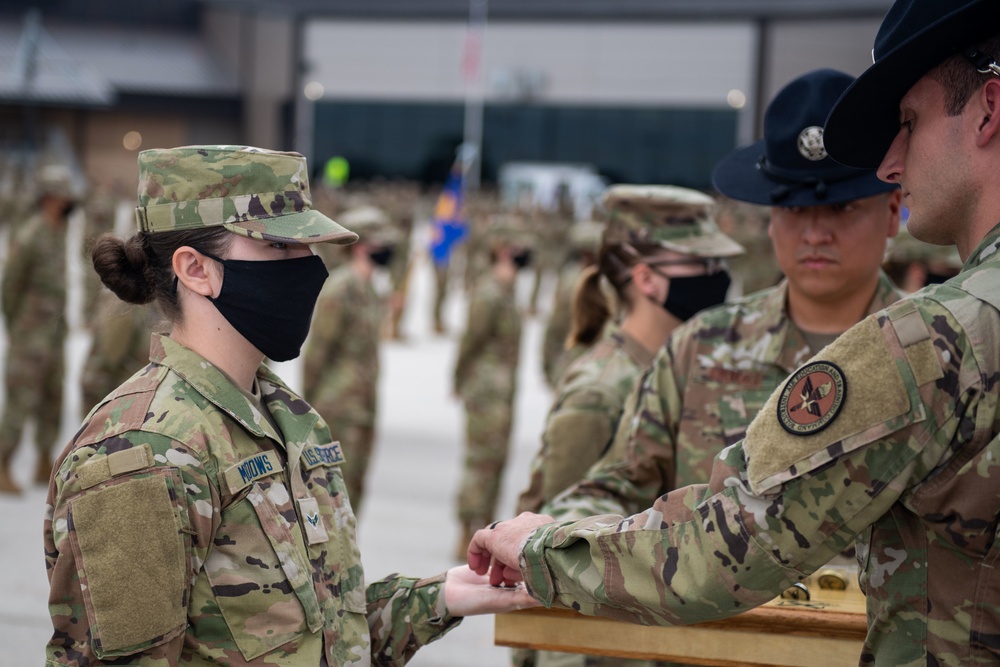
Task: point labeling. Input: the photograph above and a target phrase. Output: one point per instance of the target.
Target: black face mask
(380, 256)
(270, 302)
(522, 259)
(689, 294)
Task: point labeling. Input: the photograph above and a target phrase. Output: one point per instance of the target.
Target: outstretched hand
(500, 545)
(468, 594)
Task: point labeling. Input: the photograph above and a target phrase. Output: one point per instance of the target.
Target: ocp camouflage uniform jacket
(486, 369)
(556, 359)
(186, 527)
(705, 387)
(34, 288)
(584, 415)
(909, 462)
(340, 362)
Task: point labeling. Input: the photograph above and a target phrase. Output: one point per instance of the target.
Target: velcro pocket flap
(128, 542)
(876, 403)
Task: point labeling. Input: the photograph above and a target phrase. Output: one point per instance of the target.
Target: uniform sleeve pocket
(129, 542)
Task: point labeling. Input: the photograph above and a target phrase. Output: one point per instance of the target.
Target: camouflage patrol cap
(55, 180)
(904, 248)
(586, 235)
(509, 229)
(371, 223)
(253, 192)
(672, 217)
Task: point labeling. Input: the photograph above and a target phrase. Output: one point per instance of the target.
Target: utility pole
(471, 150)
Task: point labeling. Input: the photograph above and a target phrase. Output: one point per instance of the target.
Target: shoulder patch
(877, 405)
(812, 398)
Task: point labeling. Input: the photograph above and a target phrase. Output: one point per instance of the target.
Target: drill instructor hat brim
(254, 192)
(790, 165)
(915, 37)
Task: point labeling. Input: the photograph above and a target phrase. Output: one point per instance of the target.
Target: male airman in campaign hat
(889, 435)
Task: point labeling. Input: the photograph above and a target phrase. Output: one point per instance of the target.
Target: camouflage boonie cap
(372, 225)
(672, 217)
(254, 192)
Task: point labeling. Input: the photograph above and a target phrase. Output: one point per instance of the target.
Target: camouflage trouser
(487, 441)
(356, 441)
(34, 389)
(440, 294)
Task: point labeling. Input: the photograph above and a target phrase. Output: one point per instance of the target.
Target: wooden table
(827, 630)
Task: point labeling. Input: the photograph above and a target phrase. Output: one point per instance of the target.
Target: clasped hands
(494, 551)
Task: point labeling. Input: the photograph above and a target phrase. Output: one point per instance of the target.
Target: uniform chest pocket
(737, 410)
(260, 573)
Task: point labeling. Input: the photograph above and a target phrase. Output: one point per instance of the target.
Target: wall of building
(635, 64)
(668, 86)
(795, 47)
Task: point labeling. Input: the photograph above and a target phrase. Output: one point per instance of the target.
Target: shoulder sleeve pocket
(131, 551)
(809, 422)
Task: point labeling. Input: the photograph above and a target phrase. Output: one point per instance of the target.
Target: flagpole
(475, 92)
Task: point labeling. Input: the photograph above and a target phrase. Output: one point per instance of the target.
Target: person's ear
(895, 203)
(197, 272)
(988, 109)
(643, 277)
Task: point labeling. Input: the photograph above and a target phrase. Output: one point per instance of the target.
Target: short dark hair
(961, 79)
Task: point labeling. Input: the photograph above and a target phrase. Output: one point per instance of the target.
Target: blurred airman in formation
(34, 307)
(485, 374)
(913, 264)
(341, 356)
(558, 348)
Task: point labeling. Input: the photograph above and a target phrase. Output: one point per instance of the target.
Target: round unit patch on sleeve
(812, 398)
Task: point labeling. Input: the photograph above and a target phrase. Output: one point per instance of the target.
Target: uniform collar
(212, 383)
(988, 249)
(636, 351)
(790, 348)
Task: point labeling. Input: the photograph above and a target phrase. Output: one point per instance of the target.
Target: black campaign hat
(915, 37)
(790, 166)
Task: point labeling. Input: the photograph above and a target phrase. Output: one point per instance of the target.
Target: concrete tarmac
(407, 524)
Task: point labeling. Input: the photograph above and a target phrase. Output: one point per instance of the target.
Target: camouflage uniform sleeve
(125, 535)
(576, 434)
(327, 327)
(405, 614)
(639, 466)
(779, 505)
(17, 276)
(480, 327)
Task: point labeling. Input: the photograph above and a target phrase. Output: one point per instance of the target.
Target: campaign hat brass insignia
(812, 398)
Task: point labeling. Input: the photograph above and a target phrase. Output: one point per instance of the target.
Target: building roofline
(568, 10)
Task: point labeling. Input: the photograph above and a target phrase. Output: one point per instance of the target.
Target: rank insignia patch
(812, 398)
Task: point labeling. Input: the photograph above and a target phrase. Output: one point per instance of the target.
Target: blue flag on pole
(450, 227)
